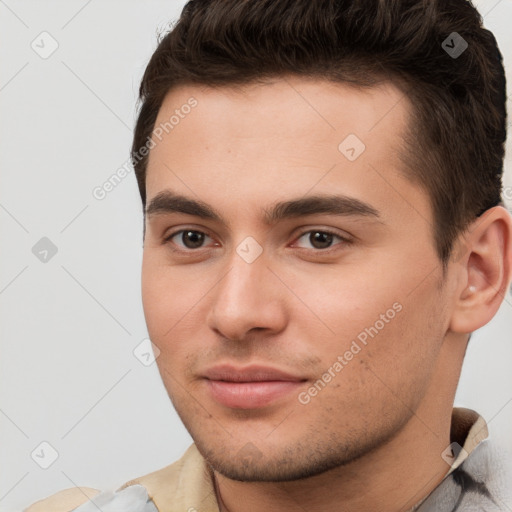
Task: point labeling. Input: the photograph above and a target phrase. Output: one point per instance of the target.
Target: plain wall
(70, 325)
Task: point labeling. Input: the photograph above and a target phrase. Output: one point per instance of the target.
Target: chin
(249, 464)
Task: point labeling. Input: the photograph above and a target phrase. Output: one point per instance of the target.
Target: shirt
(187, 484)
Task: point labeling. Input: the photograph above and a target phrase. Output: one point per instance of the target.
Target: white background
(69, 326)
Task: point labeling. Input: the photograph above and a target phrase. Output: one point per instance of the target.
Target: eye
(321, 239)
(188, 238)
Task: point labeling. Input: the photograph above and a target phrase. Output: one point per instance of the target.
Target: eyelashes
(330, 236)
(193, 240)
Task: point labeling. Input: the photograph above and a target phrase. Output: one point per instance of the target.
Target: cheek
(390, 321)
(173, 302)
(164, 298)
(375, 373)
(341, 303)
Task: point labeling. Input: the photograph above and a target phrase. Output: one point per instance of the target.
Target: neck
(392, 478)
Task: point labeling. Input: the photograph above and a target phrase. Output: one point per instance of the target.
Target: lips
(249, 387)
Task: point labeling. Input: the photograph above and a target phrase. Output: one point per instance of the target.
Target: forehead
(289, 106)
(259, 143)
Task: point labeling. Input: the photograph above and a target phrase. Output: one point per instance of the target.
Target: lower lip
(250, 395)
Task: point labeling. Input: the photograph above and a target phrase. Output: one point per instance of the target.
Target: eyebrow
(167, 202)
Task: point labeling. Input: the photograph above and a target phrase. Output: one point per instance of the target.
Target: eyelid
(345, 239)
(166, 239)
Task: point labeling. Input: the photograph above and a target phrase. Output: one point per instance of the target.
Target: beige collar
(468, 430)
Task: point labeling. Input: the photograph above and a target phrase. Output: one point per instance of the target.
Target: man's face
(299, 338)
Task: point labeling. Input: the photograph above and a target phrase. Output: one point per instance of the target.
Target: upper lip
(253, 373)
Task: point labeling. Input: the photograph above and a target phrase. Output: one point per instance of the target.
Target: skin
(372, 438)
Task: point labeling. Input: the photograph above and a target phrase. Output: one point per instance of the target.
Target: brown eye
(188, 238)
(321, 240)
(192, 239)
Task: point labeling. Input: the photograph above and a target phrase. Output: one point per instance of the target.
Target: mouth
(249, 387)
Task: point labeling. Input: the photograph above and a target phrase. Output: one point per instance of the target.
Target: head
(321, 184)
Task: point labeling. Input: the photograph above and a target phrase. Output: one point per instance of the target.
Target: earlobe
(486, 270)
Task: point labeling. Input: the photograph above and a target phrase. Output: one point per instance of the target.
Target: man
(323, 232)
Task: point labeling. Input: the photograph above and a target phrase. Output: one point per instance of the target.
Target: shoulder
(64, 501)
(481, 482)
(186, 481)
(188, 466)
(187, 484)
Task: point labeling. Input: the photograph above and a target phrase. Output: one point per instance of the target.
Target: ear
(484, 267)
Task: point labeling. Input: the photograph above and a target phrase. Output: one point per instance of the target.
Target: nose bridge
(245, 297)
(242, 285)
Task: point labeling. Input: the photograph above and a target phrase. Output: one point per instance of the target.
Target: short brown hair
(458, 128)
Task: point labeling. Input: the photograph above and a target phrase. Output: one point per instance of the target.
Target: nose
(247, 299)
